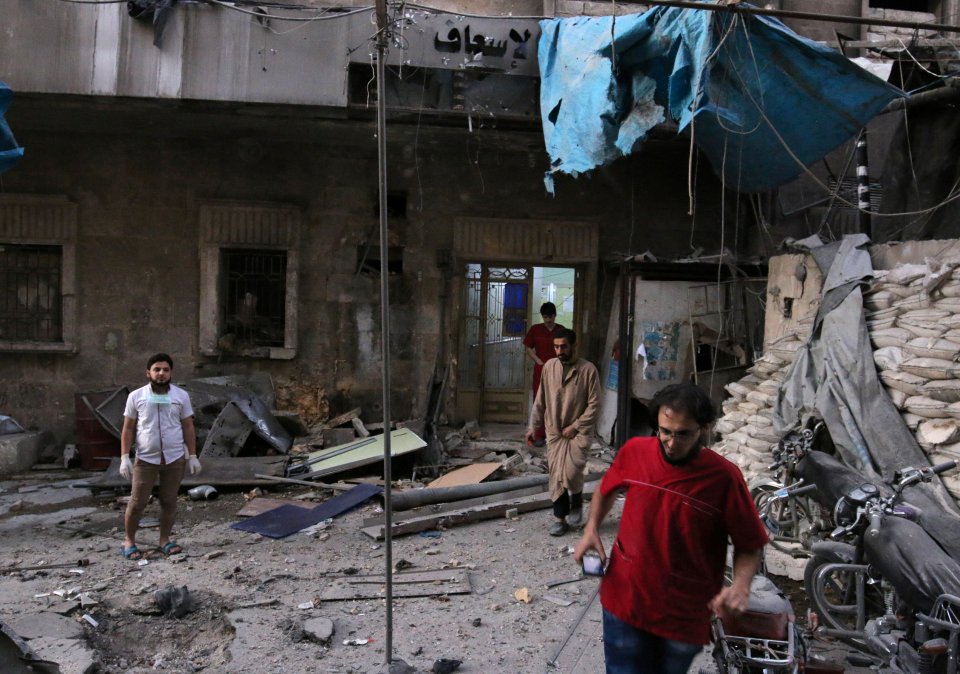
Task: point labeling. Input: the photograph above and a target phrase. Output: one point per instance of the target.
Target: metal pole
(789, 14)
(382, 44)
(623, 364)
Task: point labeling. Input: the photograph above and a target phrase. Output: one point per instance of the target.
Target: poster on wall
(658, 352)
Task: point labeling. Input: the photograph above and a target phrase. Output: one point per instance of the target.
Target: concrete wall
(139, 172)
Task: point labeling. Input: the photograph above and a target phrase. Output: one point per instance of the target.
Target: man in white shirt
(159, 419)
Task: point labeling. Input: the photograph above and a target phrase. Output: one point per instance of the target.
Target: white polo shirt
(159, 420)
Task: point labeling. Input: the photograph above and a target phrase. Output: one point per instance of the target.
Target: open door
(500, 305)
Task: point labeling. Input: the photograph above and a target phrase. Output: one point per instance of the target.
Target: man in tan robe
(566, 405)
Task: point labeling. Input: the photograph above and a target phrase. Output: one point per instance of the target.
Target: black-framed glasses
(681, 436)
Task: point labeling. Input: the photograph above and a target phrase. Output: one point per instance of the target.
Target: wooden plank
(475, 473)
(410, 584)
(470, 515)
(456, 505)
(344, 418)
(262, 504)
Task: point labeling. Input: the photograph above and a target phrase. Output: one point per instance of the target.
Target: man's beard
(160, 387)
(564, 357)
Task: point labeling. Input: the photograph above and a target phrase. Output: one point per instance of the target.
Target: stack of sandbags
(746, 427)
(913, 315)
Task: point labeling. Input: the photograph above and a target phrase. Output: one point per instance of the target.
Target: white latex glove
(193, 465)
(126, 467)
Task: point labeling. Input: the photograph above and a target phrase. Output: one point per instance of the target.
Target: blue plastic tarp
(10, 152)
(761, 101)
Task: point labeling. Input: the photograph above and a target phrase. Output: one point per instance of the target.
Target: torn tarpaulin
(10, 152)
(154, 11)
(765, 101)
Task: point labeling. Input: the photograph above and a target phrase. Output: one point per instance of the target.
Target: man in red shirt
(665, 575)
(538, 343)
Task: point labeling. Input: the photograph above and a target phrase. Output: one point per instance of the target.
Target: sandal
(132, 553)
(171, 548)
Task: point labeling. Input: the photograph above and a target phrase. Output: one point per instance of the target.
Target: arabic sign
(458, 42)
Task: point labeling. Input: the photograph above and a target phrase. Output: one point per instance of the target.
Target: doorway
(500, 304)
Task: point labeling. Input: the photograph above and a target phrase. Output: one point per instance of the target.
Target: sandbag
(889, 358)
(938, 431)
(947, 390)
(926, 407)
(890, 337)
(931, 347)
(931, 368)
(921, 328)
(902, 381)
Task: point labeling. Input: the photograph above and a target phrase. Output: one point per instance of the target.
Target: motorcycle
(882, 583)
(793, 520)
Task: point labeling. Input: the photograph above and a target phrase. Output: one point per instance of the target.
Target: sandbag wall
(913, 317)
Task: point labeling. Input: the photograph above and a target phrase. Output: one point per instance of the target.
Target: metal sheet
(402, 441)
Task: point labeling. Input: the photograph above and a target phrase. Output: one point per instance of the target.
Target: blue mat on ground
(289, 519)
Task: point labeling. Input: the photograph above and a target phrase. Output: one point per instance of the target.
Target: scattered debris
(289, 519)
(356, 642)
(445, 666)
(319, 630)
(175, 601)
(559, 601)
(205, 492)
(475, 473)
(91, 620)
(523, 594)
(213, 555)
(409, 584)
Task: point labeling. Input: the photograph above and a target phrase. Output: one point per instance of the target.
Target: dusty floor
(249, 590)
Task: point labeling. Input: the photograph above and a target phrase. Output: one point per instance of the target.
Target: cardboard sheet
(472, 474)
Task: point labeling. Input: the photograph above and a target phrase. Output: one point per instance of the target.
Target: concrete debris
(445, 666)
(45, 624)
(175, 601)
(397, 666)
(319, 630)
(522, 594)
(72, 655)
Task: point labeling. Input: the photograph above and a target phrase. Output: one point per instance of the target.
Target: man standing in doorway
(538, 343)
(159, 418)
(666, 569)
(566, 406)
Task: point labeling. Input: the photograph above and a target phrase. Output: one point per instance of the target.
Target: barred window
(31, 301)
(255, 295)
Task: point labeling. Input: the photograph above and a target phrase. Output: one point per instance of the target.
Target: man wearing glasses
(566, 406)
(665, 576)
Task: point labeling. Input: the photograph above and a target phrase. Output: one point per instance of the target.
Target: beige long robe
(562, 401)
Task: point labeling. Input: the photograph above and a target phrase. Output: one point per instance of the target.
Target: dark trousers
(567, 503)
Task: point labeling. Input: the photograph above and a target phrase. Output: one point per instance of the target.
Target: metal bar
(790, 14)
(382, 45)
(415, 498)
(306, 483)
(337, 452)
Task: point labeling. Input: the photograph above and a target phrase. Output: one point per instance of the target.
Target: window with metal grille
(254, 295)
(31, 303)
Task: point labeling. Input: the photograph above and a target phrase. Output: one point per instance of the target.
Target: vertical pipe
(382, 30)
(863, 184)
(623, 372)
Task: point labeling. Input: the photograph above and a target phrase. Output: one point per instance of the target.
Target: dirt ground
(250, 591)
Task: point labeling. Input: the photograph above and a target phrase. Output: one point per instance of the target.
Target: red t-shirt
(541, 340)
(669, 557)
